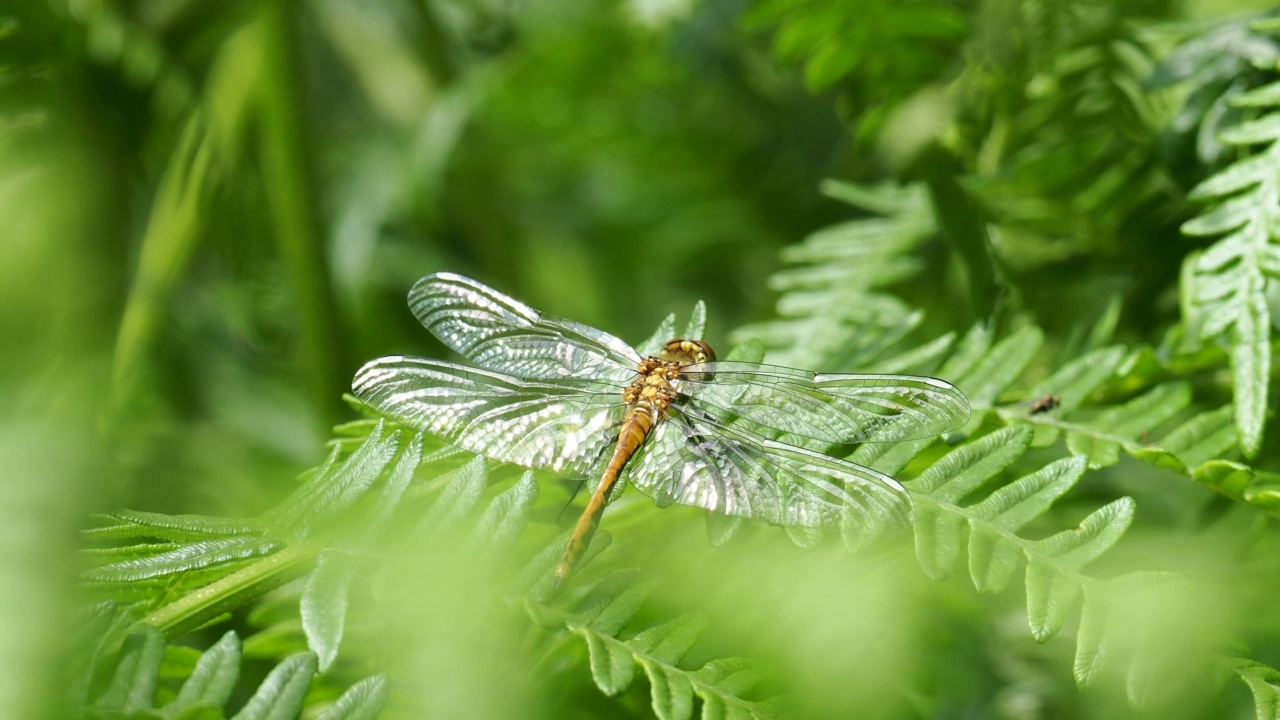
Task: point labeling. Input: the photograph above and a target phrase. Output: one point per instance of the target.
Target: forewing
(507, 336)
(566, 427)
(695, 460)
(831, 408)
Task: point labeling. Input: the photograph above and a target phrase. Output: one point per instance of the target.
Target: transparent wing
(507, 336)
(828, 407)
(567, 427)
(694, 459)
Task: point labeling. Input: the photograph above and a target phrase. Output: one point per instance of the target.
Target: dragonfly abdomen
(641, 416)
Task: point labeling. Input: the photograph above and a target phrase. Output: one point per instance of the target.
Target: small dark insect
(1044, 405)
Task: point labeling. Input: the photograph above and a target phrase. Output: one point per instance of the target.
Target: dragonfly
(739, 438)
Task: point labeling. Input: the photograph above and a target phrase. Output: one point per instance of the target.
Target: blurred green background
(212, 212)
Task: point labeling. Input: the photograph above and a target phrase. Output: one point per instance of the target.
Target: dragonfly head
(687, 352)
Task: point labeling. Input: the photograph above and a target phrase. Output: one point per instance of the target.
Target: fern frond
(1214, 65)
(888, 49)
(1226, 286)
(132, 524)
(235, 560)
(184, 558)
(1193, 447)
(693, 330)
(658, 649)
(1137, 427)
(995, 550)
(132, 689)
(984, 370)
(199, 549)
(1053, 566)
(336, 487)
(992, 557)
(956, 475)
(832, 312)
(1053, 571)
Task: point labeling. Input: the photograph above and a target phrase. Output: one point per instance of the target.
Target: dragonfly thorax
(653, 388)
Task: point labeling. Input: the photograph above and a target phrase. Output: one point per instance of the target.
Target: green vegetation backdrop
(212, 212)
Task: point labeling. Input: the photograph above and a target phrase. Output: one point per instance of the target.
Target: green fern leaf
(889, 458)
(983, 372)
(1052, 585)
(917, 361)
(504, 520)
(1075, 381)
(133, 684)
(672, 692)
(1241, 483)
(612, 667)
(657, 649)
(832, 314)
(697, 325)
(131, 524)
(957, 474)
(666, 331)
(361, 701)
(336, 486)
(834, 42)
(721, 683)
(1072, 384)
(282, 693)
(1202, 438)
(210, 685)
(612, 604)
(460, 496)
(992, 558)
(398, 480)
(1128, 422)
(1229, 282)
(1251, 363)
(185, 558)
(669, 642)
(1092, 648)
(735, 676)
(213, 679)
(324, 605)
(1253, 132)
(608, 608)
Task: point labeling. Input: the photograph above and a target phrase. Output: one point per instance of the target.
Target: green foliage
(658, 650)
(1226, 286)
(878, 47)
(1068, 210)
(133, 687)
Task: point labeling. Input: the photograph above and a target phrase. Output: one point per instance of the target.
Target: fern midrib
(1020, 417)
(199, 606)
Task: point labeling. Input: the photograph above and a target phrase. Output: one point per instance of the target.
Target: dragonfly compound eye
(687, 352)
